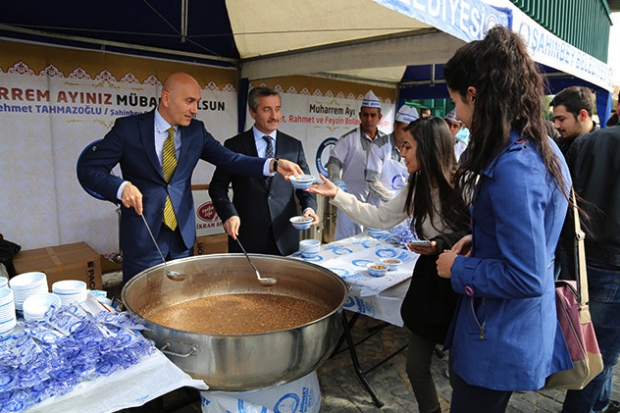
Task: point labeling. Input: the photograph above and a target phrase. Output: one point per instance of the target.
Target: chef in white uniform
(347, 161)
(386, 172)
(457, 129)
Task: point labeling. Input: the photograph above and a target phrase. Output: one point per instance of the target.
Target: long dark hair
(435, 155)
(509, 96)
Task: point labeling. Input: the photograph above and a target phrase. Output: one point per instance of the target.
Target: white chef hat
(452, 116)
(406, 114)
(371, 101)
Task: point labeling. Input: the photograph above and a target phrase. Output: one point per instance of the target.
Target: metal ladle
(173, 275)
(265, 282)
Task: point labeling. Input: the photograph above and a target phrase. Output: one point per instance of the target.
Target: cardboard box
(77, 261)
(211, 244)
(108, 265)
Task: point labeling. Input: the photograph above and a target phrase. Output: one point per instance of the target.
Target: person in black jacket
(594, 163)
(260, 210)
(572, 115)
(437, 210)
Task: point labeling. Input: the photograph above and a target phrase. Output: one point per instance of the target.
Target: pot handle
(165, 350)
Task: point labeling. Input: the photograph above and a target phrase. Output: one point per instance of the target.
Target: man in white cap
(386, 172)
(347, 162)
(455, 126)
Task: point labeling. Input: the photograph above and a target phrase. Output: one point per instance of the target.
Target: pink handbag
(574, 318)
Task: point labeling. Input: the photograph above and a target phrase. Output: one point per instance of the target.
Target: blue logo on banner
(331, 141)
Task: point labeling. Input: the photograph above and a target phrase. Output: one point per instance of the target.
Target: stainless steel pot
(241, 362)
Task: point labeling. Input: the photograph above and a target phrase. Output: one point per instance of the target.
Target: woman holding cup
(437, 210)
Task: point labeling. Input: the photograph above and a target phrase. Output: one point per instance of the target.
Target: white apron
(353, 177)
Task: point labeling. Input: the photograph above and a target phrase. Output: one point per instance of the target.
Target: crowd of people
(486, 183)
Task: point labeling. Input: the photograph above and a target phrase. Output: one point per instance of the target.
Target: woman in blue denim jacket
(504, 335)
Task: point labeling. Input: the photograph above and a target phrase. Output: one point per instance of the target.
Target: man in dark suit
(157, 152)
(263, 205)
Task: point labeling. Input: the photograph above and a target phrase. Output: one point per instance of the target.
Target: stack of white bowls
(8, 318)
(26, 284)
(70, 291)
(36, 305)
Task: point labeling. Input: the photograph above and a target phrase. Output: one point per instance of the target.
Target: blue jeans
(604, 288)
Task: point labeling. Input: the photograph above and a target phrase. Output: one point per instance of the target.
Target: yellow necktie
(168, 165)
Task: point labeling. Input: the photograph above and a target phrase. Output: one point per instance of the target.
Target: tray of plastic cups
(70, 291)
(8, 318)
(26, 284)
(36, 306)
(309, 248)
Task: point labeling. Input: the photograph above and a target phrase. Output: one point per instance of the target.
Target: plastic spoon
(265, 282)
(173, 275)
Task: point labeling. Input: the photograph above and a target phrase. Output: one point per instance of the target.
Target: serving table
(378, 298)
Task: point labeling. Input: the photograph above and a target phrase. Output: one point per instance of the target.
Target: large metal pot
(241, 362)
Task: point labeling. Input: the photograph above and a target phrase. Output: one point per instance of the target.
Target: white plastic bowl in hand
(377, 269)
(302, 181)
(301, 222)
(309, 248)
(392, 263)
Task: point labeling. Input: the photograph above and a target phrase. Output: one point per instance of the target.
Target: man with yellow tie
(157, 152)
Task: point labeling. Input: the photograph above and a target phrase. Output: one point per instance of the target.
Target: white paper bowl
(392, 263)
(70, 291)
(68, 287)
(377, 269)
(302, 181)
(301, 222)
(6, 295)
(309, 248)
(28, 280)
(7, 305)
(7, 327)
(36, 305)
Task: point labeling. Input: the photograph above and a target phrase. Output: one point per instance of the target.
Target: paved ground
(343, 393)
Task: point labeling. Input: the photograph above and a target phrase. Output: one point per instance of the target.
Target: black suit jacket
(264, 209)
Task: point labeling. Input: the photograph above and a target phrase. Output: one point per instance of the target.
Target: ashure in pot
(240, 362)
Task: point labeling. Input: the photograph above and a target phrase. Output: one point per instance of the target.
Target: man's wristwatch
(275, 164)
